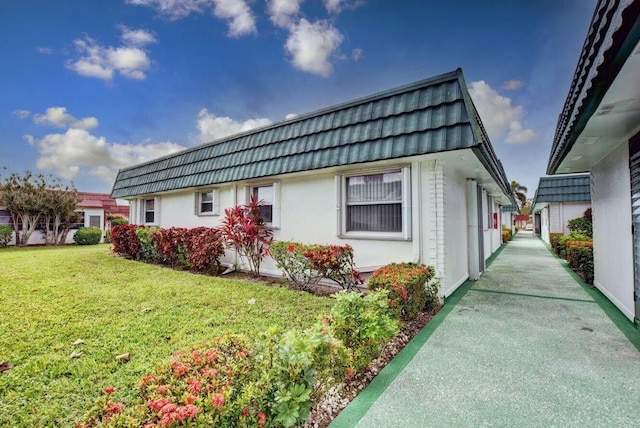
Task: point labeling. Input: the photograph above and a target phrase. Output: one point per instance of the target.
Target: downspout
(473, 242)
(416, 192)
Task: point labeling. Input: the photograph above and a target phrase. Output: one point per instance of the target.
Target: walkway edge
(624, 324)
(351, 414)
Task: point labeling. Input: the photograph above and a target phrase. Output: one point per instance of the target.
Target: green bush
(580, 258)
(88, 236)
(148, 250)
(582, 225)
(554, 241)
(119, 221)
(506, 234)
(363, 324)
(6, 234)
(408, 287)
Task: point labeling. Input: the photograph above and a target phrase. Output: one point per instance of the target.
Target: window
(207, 202)
(78, 220)
(149, 210)
(376, 204)
(265, 197)
(5, 218)
(94, 221)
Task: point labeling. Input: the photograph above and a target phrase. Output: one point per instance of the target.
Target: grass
(50, 297)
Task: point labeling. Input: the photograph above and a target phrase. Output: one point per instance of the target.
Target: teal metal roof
(563, 188)
(429, 116)
(511, 208)
(613, 34)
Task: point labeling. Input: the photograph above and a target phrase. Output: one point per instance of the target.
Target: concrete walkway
(525, 346)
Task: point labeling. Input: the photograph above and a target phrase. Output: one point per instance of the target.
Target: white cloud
(138, 37)
(21, 114)
(357, 54)
(290, 116)
(337, 6)
(237, 12)
(128, 60)
(79, 152)
(513, 84)
(174, 9)
(498, 115)
(312, 44)
(283, 13)
(212, 127)
(238, 15)
(59, 118)
(45, 51)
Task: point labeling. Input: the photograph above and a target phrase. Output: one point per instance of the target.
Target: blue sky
(87, 86)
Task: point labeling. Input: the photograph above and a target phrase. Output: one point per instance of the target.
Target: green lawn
(50, 297)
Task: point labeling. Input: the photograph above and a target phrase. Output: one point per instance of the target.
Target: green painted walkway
(525, 346)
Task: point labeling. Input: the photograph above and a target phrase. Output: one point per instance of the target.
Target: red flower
(114, 408)
(349, 373)
(218, 400)
(148, 379)
(109, 390)
(190, 399)
(162, 389)
(194, 386)
(291, 248)
(262, 420)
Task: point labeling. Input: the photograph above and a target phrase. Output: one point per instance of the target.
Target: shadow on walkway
(526, 345)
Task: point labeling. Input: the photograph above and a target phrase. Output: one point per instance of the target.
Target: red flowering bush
(409, 287)
(232, 382)
(204, 246)
(290, 257)
(125, 241)
(246, 232)
(580, 258)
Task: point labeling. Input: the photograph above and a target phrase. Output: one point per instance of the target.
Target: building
(94, 209)
(559, 199)
(404, 175)
(598, 132)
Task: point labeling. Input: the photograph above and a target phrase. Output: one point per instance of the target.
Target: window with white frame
(149, 210)
(207, 202)
(265, 197)
(376, 204)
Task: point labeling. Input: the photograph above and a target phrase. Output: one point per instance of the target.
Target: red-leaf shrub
(580, 258)
(204, 246)
(409, 288)
(125, 241)
(246, 232)
(335, 262)
(554, 241)
(170, 246)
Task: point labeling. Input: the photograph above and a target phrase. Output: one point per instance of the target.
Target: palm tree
(520, 193)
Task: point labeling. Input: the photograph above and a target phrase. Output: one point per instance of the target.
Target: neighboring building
(94, 209)
(404, 175)
(598, 132)
(508, 216)
(559, 199)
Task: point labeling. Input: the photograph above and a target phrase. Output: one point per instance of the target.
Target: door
(634, 166)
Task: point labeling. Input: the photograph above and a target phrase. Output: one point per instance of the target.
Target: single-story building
(559, 199)
(404, 175)
(599, 132)
(508, 216)
(94, 210)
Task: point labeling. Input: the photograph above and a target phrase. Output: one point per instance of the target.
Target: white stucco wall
(613, 245)
(544, 224)
(456, 254)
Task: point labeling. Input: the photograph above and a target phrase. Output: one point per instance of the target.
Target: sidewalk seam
(533, 295)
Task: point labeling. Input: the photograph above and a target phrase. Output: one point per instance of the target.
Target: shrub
(506, 234)
(232, 382)
(335, 262)
(554, 241)
(118, 221)
(204, 247)
(125, 241)
(148, 249)
(6, 234)
(363, 324)
(580, 258)
(245, 231)
(290, 257)
(408, 289)
(88, 236)
(169, 244)
(582, 225)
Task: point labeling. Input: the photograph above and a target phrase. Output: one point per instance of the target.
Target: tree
(60, 204)
(23, 197)
(520, 193)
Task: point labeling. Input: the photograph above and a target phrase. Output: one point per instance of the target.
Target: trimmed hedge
(506, 234)
(88, 236)
(580, 258)
(408, 287)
